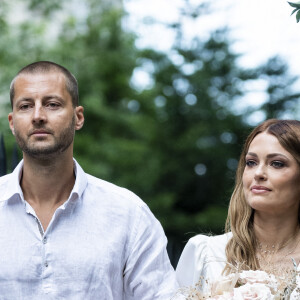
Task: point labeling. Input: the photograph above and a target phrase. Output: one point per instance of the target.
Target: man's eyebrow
(53, 97)
(29, 99)
(24, 99)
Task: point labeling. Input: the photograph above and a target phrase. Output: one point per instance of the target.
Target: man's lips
(40, 132)
(259, 189)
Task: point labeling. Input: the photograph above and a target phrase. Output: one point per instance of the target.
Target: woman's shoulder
(200, 250)
(200, 240)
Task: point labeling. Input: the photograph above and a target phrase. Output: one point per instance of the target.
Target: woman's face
(271, 178)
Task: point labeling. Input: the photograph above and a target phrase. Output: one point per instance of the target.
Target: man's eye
(53, 105)
(24, 106)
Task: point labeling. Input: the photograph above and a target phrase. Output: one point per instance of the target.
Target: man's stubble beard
(61, 143)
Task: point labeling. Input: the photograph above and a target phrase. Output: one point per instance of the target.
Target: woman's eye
(250, 163)
(277, 164)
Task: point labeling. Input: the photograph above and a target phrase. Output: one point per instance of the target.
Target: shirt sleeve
(191, 265)
(148, 273)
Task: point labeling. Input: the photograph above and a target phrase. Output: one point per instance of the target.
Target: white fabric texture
(203, 257)
(102, 243)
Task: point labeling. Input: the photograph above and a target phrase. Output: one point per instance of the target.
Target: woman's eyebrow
(268, 156)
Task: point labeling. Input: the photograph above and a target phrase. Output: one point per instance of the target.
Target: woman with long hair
(262, 227)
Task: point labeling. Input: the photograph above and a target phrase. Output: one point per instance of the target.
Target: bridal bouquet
(245, 285)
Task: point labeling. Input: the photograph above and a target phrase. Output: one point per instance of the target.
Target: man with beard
(65, 234)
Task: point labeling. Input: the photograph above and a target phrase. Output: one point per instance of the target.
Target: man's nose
(39, 115)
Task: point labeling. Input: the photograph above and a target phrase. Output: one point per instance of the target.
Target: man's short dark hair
(46, 67)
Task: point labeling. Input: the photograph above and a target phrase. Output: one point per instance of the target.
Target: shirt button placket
(44, 241)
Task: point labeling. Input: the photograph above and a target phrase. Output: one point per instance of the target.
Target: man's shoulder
(112, 191)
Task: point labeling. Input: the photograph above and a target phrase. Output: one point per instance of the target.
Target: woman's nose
(260, 172)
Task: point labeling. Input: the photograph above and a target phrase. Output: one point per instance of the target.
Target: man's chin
(43, 152)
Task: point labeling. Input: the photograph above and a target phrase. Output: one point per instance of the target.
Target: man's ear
(11, 123)
(79, 117)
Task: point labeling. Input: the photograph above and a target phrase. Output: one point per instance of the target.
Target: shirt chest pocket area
(19, 258)
(87, 259)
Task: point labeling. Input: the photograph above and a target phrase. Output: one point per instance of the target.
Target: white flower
(259, 277)
(224, 284)
(256, 277)
(224, 296)
(255, 291)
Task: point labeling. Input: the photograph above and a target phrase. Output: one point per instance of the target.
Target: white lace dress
(202, 257)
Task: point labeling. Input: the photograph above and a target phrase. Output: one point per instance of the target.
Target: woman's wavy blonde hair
(241, 248)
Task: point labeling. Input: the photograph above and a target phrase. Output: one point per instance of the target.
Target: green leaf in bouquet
(294, 10)
(298, 16)
(294, 4)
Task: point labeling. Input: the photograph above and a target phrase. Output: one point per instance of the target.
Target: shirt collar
(81, 180)
(13, 187)
(12, 184)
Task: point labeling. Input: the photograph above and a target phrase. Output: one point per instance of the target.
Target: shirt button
(44, 240)
(46, 264)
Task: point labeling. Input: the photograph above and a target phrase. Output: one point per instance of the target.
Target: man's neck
(46, 184)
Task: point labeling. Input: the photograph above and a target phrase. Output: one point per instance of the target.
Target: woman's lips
(258, 189)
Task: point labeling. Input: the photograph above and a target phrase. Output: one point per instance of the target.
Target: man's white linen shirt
(102, 243)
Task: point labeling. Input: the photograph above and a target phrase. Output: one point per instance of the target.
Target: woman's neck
(273, 230)
(277, 243)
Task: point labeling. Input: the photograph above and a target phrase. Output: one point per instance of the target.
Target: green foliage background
(176, 143)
